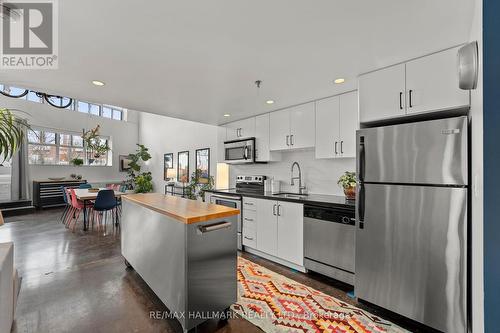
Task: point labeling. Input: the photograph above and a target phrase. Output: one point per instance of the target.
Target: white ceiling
(197, 60)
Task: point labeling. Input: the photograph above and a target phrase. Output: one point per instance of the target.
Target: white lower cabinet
(279, 230)
(291, 232)
(267, 226)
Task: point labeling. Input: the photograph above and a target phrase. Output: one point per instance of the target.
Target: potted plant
(195, 190)
(348, 182)
(140, 182)
(12, 133)
(95, 146)
(77, 161)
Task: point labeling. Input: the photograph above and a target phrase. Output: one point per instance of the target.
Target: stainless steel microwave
(239, 151)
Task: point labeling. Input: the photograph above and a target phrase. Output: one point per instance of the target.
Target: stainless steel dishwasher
(329, 236)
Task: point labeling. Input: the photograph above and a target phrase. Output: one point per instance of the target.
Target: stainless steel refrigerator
(411, 221)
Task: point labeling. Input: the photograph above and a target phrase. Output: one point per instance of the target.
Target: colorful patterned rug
(277, 304)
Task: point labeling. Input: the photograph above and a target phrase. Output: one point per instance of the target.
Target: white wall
(124, 136)
(476, 114)
(170, 135)
(319, 175)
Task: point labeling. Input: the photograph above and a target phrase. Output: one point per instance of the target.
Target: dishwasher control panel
(338, 215)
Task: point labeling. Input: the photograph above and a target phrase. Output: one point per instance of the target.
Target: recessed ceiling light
(227, 115)
(339, 80)
(98, 83)
(269, 101)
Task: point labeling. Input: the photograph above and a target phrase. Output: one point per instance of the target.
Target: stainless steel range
(232, 197)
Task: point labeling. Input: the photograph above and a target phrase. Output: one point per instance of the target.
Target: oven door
(233, 202)
(239, 152)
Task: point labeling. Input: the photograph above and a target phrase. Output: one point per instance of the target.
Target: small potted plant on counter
(348, 182)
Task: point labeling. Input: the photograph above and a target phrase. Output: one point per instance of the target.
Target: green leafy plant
(141, 182)
(12, 133)
(77, 161)
(194, 189)
(95, 146)
(144, 183)
(347, 180)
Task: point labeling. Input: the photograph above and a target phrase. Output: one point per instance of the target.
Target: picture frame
(202, 159)
(168, 163)
(183, 166)
(123, 163)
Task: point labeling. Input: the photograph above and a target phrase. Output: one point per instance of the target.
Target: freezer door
(411, 253)
(427, 152)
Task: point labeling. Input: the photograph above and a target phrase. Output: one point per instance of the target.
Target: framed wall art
(183, 166)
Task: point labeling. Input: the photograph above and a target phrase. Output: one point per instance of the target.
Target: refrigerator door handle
(361, 186)
(361, 205)
(361, 160)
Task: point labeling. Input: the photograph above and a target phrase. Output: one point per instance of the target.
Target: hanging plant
(12, 132)
(94, 144)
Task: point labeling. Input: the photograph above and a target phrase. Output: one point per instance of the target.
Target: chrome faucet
(301, 188)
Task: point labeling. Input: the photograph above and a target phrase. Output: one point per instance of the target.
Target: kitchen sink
(291, 195)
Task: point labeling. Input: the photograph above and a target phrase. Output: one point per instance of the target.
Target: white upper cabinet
(382, 94)
(336, 125)
(426, 84)
(279, 138)
(293, 128)
(348, 124)
(241, 129)
(262, 148)
(432, 83)
(302, 126)
(327, 127)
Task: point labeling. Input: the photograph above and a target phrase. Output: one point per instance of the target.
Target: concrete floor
(77, 282)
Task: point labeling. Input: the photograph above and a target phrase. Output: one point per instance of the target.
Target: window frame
(74, 105)
(58, 145)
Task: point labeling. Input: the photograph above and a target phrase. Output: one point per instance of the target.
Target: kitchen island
(185, 250)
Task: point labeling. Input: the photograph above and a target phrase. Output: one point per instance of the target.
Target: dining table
(86, 195)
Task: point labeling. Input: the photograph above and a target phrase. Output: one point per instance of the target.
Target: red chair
(75, 210)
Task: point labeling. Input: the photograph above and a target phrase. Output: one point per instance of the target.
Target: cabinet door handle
(288, 144)
(401, 100)
(341, 147)
(410, 93)
(291, 139)
(250, 220)
(279, 210)
(336, 148)
(274, 209)
(249, 238)
(249, 203)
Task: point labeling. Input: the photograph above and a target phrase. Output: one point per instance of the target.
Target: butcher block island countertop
(186, 252)
(184, 210)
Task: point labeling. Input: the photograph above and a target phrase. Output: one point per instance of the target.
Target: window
(94, 109)
(106, 111)
(48, 147)
(112, 112)
(32, 96)
(82, 107)
(42, 147)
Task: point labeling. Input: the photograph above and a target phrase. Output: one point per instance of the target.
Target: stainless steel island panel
(156, 249)
(190, 267)
(212, 265)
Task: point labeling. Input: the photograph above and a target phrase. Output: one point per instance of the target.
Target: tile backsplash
(318, 175)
